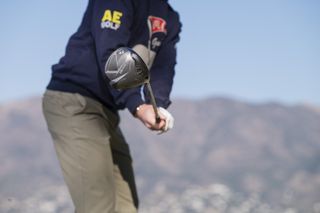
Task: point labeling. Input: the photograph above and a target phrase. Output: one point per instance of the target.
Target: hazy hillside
(222, 156)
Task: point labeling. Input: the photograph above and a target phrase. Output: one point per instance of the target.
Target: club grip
(158, 119)
(153, 102)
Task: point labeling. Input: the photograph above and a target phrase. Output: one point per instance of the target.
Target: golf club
(126, 69)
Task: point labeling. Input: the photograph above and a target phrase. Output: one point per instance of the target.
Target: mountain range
(223, 155)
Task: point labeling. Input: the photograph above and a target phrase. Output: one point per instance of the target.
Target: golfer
(81, 108)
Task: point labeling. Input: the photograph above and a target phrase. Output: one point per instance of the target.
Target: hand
(147, 116)
(168, 118)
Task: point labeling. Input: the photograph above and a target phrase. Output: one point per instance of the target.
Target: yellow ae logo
(111, 19)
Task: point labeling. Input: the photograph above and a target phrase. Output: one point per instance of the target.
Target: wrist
(138, 110)
(133, 101)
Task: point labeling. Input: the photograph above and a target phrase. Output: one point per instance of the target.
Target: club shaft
(153, 102)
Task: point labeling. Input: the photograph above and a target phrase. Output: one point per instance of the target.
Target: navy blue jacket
(106, 26)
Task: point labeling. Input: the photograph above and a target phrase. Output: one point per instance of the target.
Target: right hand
(147, 116)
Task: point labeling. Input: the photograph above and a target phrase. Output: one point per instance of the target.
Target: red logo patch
(157, 24)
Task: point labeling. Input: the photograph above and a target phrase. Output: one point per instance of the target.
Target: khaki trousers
(94, 157)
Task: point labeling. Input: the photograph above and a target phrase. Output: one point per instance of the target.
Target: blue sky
(257, 51)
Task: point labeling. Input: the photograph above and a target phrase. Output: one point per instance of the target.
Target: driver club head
(126, 69)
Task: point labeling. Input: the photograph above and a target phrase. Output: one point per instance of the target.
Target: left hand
(168, 119)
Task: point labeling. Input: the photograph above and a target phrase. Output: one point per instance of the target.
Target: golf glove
(169, 119)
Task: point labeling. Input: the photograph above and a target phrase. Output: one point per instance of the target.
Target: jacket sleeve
(111, 28)
(163, 68)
